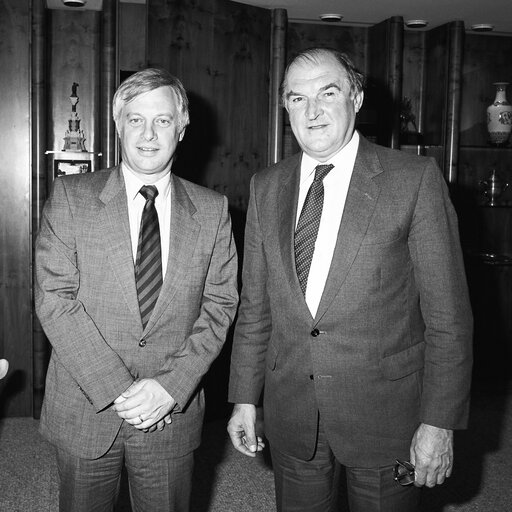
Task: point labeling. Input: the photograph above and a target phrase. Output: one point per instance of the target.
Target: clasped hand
(146, 405)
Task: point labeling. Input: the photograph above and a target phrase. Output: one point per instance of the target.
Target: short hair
(314, 55)
(145, 81)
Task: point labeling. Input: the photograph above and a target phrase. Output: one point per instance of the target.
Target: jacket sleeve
(439, 273)
(98, 371)
(181, 374)
(254, 323)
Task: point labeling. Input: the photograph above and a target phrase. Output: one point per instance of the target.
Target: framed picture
(65, 167)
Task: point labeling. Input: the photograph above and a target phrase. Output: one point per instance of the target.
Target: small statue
(74, 139)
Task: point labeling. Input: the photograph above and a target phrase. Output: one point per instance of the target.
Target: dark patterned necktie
(307, 227)
(148, 267)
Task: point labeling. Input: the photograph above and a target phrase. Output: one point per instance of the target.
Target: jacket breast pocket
(403, 363)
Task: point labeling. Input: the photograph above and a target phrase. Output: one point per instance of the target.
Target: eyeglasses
(403, 472)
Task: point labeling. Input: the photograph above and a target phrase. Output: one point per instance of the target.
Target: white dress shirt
(136, 204)
(336, 185)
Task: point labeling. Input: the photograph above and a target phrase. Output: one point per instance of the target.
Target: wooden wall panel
(132, 36)
(413, 78)
(384, 83)
(40, 345)
(436, 73)
(221, 52)
(15, 216)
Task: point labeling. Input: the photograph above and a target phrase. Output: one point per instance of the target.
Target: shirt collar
(346, 155)
(133, 184)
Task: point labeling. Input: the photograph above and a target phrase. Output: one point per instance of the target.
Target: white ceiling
(369, 12)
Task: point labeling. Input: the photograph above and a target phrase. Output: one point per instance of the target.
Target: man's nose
(149, 132)
(314, 108)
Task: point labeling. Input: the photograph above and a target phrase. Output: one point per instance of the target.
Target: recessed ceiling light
(482, 27)
(331, 18)
(74, 3)
(416, 23)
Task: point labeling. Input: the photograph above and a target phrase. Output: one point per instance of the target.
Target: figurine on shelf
(493, 187)
(409, 133)
(74, 139)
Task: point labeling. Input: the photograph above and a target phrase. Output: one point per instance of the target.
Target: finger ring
(140, 418)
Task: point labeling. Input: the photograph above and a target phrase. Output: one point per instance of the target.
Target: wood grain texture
(385, 76)
(132, 36)
(436, 70)
(15, 212)
(414, 74)
(41, 346)
(220, 50)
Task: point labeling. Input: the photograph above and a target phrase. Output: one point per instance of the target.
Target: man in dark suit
(136, 287)
(354, 313)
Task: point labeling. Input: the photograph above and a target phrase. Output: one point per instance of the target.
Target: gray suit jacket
(86, 301)
(390, 345)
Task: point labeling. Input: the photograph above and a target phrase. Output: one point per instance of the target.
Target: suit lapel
(287, 212)
(360, 204)
(184, 234)
(117, 238)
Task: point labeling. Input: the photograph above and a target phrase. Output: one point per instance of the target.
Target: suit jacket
(86, 300)
(390, 345)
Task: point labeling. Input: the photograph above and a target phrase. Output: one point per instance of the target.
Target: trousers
(314, 485)
(156, 485)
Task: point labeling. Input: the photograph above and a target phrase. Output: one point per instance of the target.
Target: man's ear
(358, 101)
(182, 134)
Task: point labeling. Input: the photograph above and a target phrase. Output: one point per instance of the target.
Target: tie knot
(321, 171)
(149, 192)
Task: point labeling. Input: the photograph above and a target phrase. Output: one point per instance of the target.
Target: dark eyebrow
(324, 88)
(291, 93)
(328, 86)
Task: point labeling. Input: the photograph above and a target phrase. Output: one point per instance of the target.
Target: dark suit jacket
(86, 300)
(390, 345)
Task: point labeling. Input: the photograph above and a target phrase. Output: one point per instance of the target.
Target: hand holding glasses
(403, 472)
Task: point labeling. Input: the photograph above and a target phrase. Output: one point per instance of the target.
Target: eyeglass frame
(407, 478)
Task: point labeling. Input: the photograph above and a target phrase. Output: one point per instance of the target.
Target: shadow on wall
(201, 137)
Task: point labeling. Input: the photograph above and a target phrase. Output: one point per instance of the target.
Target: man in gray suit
(354, 313)
(124, 379)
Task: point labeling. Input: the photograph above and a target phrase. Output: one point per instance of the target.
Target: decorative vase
(499, 116)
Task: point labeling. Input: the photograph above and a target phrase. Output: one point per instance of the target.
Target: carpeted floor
(226, 481)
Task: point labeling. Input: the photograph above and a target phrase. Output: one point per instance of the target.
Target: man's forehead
(317, 73)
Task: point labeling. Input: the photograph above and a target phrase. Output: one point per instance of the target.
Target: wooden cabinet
(486, 230)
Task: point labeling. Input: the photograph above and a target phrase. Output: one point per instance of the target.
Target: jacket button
(312, 377)
(142, 343)
(315, 333)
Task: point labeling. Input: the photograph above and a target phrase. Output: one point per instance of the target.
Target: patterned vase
(499, 116)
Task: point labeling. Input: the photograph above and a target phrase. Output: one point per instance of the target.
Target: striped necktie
(148, 266)
(307, 227)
